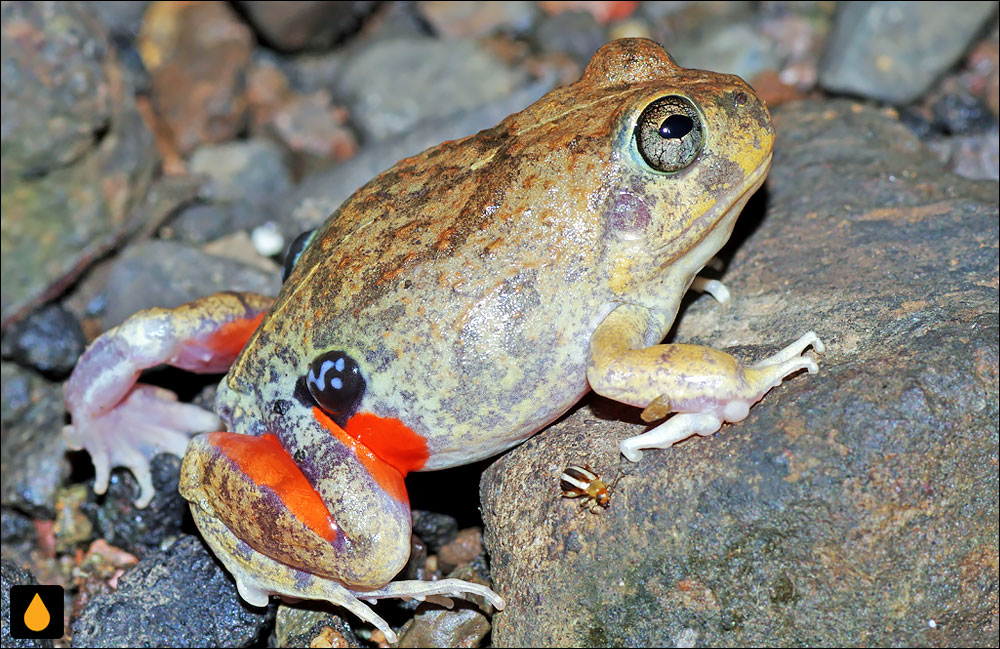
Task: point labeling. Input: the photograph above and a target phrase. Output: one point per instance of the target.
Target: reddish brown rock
(198, 55)
(462, 549)
(305, 24)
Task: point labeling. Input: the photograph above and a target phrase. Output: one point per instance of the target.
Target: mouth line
(750, 185)
(718, 213)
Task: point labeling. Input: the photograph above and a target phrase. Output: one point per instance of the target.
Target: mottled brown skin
(468, 280)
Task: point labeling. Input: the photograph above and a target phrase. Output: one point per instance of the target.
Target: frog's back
(466, 281)
(462, 281)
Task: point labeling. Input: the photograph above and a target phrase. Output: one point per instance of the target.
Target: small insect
(581, 482)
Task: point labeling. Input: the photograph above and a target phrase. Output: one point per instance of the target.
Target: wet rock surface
(858, 504)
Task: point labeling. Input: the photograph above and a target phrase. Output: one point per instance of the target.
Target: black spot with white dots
(335, 383)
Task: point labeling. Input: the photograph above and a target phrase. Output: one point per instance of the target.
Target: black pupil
(676, 126)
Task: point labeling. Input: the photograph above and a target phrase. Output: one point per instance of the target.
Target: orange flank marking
(391, 440)
(232, 336)
(265, 462)
(370, 438)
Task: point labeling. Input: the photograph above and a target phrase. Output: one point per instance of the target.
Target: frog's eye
(335, 383)
(668, 133)
(294, 252)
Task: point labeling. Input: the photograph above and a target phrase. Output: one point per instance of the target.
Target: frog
(454, 306)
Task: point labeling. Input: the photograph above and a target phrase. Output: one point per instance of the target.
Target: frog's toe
(148, 421)
(713, 287)
(680, 426)
(771, 371)
(433, 590)
(794, 351)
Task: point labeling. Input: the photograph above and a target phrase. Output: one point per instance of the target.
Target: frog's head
(690, 147)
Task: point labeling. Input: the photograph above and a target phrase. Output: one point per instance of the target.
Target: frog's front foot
(753, 383)
(148, 421)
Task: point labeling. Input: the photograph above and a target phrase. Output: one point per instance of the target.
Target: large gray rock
(168, 274)
(77, 157)
(894, 51)
(387, 98)
(858, 505)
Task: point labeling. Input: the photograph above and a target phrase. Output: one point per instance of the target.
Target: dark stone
(293, 26)
(435, 529)
(119, 522)
(12, 575)
(19, 535)
(32, 455)
(180, 597)
(49, 340)
(961, 113)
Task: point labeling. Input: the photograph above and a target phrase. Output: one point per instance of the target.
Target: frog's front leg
(122, 423)
(331, 524)
(705, 387)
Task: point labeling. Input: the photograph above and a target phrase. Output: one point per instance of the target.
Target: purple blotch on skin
(629, 216)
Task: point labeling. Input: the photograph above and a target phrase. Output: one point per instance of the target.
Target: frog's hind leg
(258, 576)
(280, 533)
(122, 423)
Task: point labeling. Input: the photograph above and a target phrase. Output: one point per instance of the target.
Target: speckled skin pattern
(483, 287)
(467, 282)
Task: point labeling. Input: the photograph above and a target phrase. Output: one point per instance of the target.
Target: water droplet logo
(36, 612)
(37, 617)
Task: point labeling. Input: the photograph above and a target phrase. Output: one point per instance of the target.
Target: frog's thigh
(704, 386)
(121, 423)
(258, 576)
(338, 535)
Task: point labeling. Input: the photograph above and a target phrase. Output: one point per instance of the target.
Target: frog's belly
(484, 437)
(469, 405)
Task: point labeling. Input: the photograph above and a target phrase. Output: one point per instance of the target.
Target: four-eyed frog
(451, 308)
